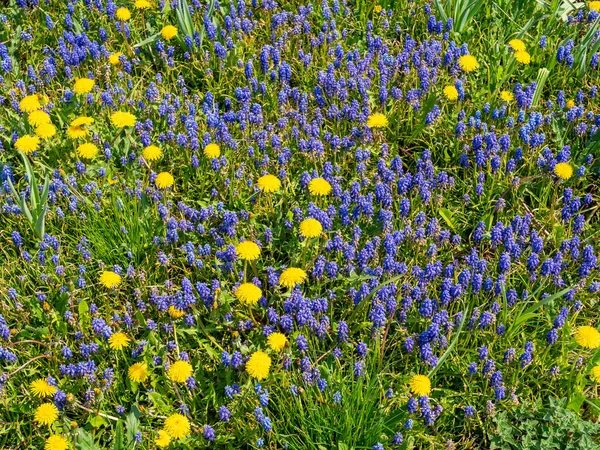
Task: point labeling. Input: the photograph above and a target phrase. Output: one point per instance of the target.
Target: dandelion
(45, 131)
(27, 143)
(517, 45)
(291, 277)
(248, 293)
(164, 180)
(110, 279)
(138, 372)
(451, 93)
(247, 251)
(570, 104)
(163, 439)
(420, 385)
(175, 313)
(523, 57)
(87, 150)
(177, 426)
(115, 58)
(507, 96)
(83, 85)
(277, 341)
(319, 186)
(142, 4)
(563, 170)
(46, 414)
(37, 118)
(212, 151)
(377, 8)
(269, 183)
(41, 388)
(377, 120)
(119, 341)
(594, 6)
(258, 365)
(30, 103)
(168, 32)
(123, 14)
(56, 442)
(587, 337)
(152, 153)
(180, 371)
(310, 228)
(468, 63)
(122, 119)
(596, 374)
(77, 128)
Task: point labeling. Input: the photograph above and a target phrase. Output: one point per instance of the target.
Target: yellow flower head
(517, 45)
(122, 119)
(45, 131)
(83, 85)
(420, 385)
(594, 6)
(523, 57)
(164, 180)
(30, 103)
(377, 120)
(291, 277)
(247, 250)
(87, 150)
(41, 388)
(46, 414)
(596, 374)
(56, 442)
(212, 151)
(277, 341)
(110, 279)
(119, 341)
(27, 143)
(248, 293)
(175, 313)
(142, 4)
(152, 153)
(123, 14)
(138, 372)
(269, 183)
(77, 128)
(163, 439)
(319, 186)
(82, 121)
(177, 426)
(587, 337)
(37, 118)
(468, 63)
(310, 228)
(451, 93)
(258, 365)
(563, 170)
(168, 32)
(507, 96)
(179, 372)
(114, 58)
(377, 8)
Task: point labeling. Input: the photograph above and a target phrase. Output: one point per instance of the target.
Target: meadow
(288, 225)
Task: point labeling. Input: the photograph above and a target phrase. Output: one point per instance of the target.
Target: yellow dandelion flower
(77, 128)
(258, 365)
(27, 143)
(451, 93)
(377, 120)
(248, 293)
(523, 57)
(142, 4)
(110, 279)
(30, 103)
(41, 388)
(180, 371)
(596, 374)
(277, 341)
(123, 14)
(175, 313)
(177, 426)
(83, 85)
(468, 63)
(377, 8)
(212, 151)
(87, 150)
(310, 228)
(319, 186)
(45, 131)
(82, 121)
(168, 32)
(587, 337)
(152, 153)
(507, 96)
(563, 170)
(291, 277)
(122, 119)
(46, 414)
(594, 6)
(247, 250)
(37, 118)
(570, 104)
(138, 372)
(56, 442)
(269, 183)
(119, 341)
(163, 439)
(420, 385)
(164, 180)
(517, 45)
(114, 58)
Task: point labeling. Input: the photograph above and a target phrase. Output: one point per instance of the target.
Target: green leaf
(119, 444)
(85, 440)
(132, 424)
(97, 421)
(447, 216)
(83, 308)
